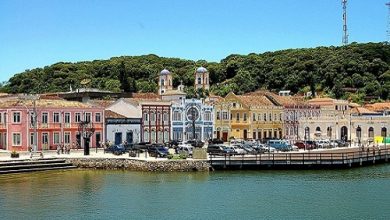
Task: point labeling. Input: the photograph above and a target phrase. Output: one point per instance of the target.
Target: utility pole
(388, 23)
(345, 29)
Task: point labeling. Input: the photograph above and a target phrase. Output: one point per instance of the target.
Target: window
(1, 118)
(67, 137)
(254, 118)
(244, 116)
(371, 132)
(56, 138)
(199, 81)
(237, 116)
(67, 117)
(270, 116)
(153, 117)
(177, 116)
(45, 118)
(280, 116)
(16, 139)
(162, 82)
(56, 117)
(16, 117)
(32, 141)
(207, 116)
(88, 117)
(146, 116)
(98, 117)
(218, 116)
(265, 117)
(146, 136)
(77, 117)
(224, 116)
(45, 138)
(165, 116)
(234, 104)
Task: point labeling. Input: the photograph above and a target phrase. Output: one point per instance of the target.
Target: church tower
(164, 82)
(202, 78)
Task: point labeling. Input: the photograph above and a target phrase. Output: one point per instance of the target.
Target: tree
(113, 85)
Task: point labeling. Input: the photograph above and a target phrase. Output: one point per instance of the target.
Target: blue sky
(36, 33)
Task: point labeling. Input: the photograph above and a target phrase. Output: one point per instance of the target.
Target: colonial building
(123, 122)
(333, 122)
(45, 123)
(156, 121)
(248, 116)
(190, 114)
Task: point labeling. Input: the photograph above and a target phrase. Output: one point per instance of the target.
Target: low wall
(139, 165)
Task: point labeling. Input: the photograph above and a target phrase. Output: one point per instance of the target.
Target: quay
(299, 160)
(340, 158)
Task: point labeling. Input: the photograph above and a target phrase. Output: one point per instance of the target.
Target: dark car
(215, 149)
(116, 149)
(195, 143)
(158, 151)
(142, 146)
(215, 141)
(308, 145)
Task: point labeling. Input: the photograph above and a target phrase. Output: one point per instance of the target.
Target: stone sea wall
(140, 165)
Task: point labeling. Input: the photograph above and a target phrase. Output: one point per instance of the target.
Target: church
(190, 118)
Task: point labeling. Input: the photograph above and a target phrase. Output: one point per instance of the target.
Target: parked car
(215, 141)
(236, 141)
(116, 149)
(322, 143)
(308, 145)
(215, 149)
(158, 151)
(186, 149)
(237, 149)
(195, 143)
(249, 149)
(281, 145)
(342, 143)
(142, 146)
(263, 148)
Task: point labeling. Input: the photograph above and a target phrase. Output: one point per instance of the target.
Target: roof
(201, 70)
(362, 111)
(378, 107)
(275, 98)
(147, 95)
(165, 72)
(173, 92)
(101, 103)
(254, 100)
(111, 114)
(321, 101)
(43, 103)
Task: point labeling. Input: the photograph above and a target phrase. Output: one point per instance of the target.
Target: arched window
(318, 129)
(359, 132)
(162, 82)
(384, 132)
(371, 132)
(307, 133)
(199, 81)
(329, 132)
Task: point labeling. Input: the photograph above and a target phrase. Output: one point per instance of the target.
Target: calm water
(83, 194)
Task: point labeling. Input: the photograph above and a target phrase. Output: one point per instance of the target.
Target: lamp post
(86, 130)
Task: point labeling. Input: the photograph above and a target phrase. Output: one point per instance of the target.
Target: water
(362, 193)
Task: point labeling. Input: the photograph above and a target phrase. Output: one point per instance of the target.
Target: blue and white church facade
(190, 113)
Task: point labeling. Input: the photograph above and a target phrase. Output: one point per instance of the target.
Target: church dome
(201, 70)
(165, 72)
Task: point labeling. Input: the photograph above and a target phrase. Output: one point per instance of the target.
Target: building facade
(192, 119)
(57, 122)
(156, 121)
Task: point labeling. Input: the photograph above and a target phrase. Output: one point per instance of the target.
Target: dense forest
(355, 72)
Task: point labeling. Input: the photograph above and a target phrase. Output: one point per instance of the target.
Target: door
(224, 136)
(118, 138)
(129, 137)
(98, 139)
(245, 134)
(344, 133)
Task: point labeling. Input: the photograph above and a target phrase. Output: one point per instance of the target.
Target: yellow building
(250, 116)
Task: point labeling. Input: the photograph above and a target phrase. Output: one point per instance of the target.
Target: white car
(238, 150)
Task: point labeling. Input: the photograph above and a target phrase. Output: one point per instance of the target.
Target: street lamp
(86, 130)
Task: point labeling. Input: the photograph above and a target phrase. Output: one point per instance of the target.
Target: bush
(183, 156)
(170, 156)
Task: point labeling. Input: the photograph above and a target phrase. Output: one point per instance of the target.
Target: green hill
(362, 69)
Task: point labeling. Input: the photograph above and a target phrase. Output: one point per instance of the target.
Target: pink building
(57, 122)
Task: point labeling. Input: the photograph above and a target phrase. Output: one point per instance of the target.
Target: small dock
(296, 160)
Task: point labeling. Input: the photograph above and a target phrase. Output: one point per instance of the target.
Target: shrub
(14, 154)
(170, 156)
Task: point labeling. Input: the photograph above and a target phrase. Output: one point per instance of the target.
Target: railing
(311, 158)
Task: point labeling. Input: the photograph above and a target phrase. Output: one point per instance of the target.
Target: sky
(37, 33)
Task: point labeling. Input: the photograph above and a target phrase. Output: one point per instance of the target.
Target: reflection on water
(90, 194)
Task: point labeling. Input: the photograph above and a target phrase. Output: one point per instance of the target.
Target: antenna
(388, 23)
(345, 29)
